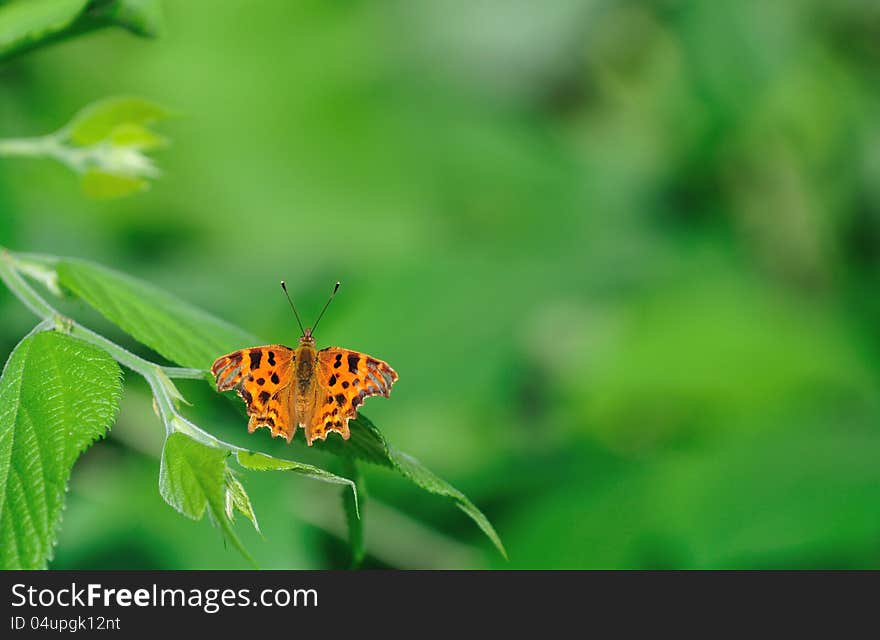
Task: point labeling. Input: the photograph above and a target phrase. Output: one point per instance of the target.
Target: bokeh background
(624, 256)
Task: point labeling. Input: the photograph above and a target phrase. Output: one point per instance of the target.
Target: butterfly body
(286, 388)
(306, 359)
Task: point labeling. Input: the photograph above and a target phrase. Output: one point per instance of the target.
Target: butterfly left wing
(345, 378)
(261, 376)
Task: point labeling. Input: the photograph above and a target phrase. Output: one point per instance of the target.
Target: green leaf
(143, 17)
(179, 331)
(367, 443)
(191, 474)
(424, 478)
(104, 186)
(100, 120)
(263, 462)
(24, 22)
(137, 136)
(28, 24)
(57, 395)
(237, 499)
(192, 479)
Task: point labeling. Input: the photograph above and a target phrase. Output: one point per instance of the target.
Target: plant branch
(157, 376)
(120, 159)
(184, 373)
(28, 147)
(48, 146)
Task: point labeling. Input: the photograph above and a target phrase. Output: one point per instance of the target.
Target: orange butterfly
(318, 390)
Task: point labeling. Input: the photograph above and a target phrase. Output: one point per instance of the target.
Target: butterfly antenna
(329, 300)
(298, 321)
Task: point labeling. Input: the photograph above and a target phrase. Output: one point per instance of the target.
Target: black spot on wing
(353, 360)
(255, 355)
(340, 399)
(275, 378)
(332, 380)
(264, 396)
(272, 358)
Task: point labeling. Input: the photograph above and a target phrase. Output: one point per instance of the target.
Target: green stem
(156, 375)
(29, 147)
(51, 146)
(22, 291)
(43, 325)
(356, 523)
(123, 160)
(183, 372)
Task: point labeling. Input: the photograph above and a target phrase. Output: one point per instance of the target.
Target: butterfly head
(308, 337)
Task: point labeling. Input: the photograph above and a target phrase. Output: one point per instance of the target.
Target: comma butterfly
(284, 388)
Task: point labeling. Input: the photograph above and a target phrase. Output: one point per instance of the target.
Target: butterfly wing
(262, 377)
(345, 378)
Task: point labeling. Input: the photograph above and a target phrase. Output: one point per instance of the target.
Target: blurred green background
(624, 256)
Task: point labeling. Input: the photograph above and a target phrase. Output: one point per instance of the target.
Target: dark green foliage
(28, 24)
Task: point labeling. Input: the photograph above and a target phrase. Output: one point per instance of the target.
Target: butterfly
(286, 388)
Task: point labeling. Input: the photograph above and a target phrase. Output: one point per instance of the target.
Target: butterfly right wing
(345, 379)
(262, 377)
